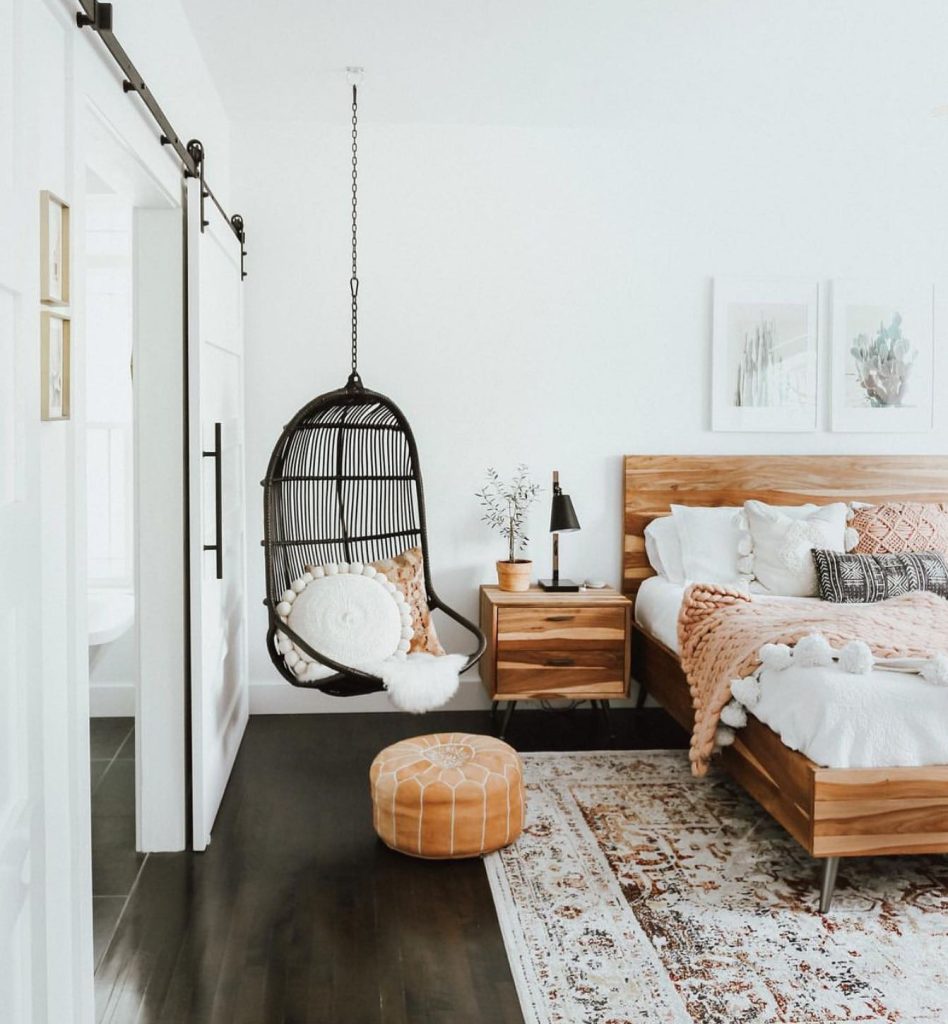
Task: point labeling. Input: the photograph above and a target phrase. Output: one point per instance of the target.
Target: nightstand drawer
(560, 627)
(564, 671)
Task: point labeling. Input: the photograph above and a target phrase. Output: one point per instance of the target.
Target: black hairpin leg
(606, 719)
(828, 883)
(505, 721)
(640, 697)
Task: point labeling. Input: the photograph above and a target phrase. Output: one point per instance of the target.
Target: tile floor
(115, 864)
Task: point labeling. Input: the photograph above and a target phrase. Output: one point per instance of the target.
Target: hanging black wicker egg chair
(344, 485)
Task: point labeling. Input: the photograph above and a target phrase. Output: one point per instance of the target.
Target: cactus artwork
(758, 374)
(764, 354)
(883, 364)
(764, 377)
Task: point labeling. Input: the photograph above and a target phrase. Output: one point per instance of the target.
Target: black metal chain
(354, 280)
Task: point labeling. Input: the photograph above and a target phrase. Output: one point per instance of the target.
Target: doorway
(110, 538)
(133, 506)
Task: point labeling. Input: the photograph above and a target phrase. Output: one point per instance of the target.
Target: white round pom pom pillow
(352, 614)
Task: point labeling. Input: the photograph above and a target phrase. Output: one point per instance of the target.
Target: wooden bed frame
(831, 812)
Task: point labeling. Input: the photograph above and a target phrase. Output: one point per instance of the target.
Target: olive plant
(504, 505)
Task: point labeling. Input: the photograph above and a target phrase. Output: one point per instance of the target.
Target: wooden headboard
(654, 482)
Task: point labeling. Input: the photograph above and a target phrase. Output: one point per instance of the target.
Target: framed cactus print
(882, 356)
(765, 354)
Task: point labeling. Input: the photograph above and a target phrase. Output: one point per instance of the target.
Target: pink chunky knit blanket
(721, 630)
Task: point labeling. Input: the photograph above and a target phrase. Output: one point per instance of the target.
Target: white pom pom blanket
(723, 634)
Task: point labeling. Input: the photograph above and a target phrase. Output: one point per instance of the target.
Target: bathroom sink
(111, 613)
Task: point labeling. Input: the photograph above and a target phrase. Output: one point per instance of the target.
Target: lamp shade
(562, 514)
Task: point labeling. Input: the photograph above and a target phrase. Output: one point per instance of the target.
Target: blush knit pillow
(901, 527)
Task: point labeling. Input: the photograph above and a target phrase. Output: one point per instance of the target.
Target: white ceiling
(441, 61)
(526, 62)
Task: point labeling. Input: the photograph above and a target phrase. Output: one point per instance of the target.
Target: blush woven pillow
(901, 528)
(407, 572)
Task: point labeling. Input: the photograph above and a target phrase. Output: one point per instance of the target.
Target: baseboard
(274, 697)
(278, 698)
(111, 700)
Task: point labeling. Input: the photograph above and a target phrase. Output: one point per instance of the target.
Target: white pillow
(663, 547)
(746, 562)
(709, 540)
(783, 544)
(715, 542)
(351, 614)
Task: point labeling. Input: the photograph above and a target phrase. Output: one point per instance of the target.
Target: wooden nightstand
(544, 645)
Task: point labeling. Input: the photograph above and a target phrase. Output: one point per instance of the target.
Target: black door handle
(218, 545)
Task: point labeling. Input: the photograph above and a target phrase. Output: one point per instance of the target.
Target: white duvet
(837, 719)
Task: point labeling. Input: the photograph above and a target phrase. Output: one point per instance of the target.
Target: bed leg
(828, 883)
(640, 697)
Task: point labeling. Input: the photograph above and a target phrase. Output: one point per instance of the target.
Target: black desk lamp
(562, 520)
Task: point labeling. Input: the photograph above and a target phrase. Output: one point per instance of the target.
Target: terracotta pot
(514, 575)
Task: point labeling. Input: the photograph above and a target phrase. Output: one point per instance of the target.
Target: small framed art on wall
(54, 250)
(55, 366)
(882, 356)
(765, 354)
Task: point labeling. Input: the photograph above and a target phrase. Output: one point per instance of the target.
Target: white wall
(542, 293)
(109, 326)
(107, 245)
(160, 41)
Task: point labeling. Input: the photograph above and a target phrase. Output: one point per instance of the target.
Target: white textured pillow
(351, 614)
(709, 540)
(746, 545)
(782, 544)
(663, 547)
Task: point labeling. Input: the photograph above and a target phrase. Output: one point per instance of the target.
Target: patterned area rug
(640, 894)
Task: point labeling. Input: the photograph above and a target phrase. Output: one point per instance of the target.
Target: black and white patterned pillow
(862, 579)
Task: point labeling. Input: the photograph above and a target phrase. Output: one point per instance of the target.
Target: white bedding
(656, 609)
(837, 719)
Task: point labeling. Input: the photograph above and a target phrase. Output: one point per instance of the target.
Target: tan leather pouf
(447, 795)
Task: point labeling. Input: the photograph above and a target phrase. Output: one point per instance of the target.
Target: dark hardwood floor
(297, 914)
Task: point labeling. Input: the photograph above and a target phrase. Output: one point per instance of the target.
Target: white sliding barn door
(219, 687)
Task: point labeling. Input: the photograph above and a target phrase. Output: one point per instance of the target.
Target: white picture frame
(860, 389)
(765, 343)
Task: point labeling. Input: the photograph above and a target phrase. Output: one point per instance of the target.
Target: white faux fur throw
(421, 682)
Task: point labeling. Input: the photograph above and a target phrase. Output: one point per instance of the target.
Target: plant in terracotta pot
(504, 505)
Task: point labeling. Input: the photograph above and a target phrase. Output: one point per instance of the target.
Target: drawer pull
(559, 662)
(560, 618)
